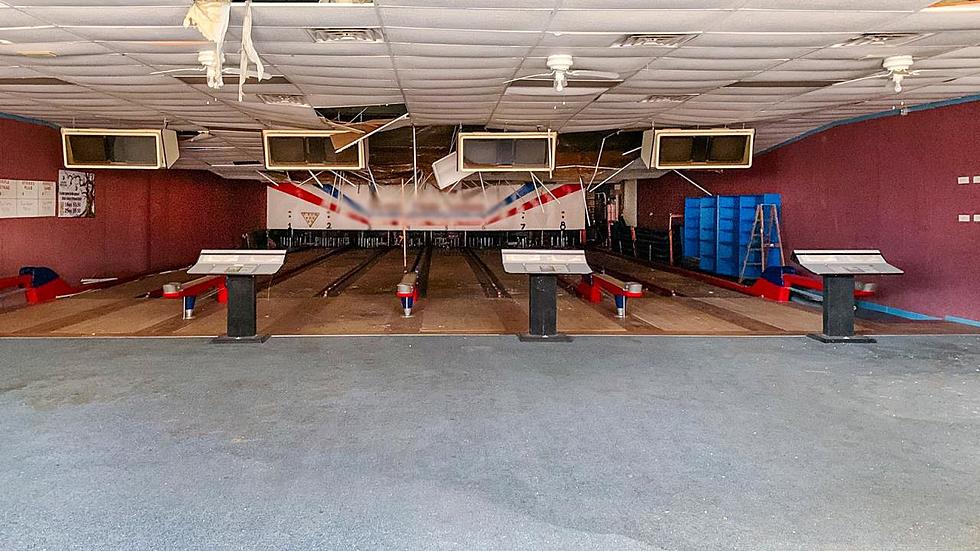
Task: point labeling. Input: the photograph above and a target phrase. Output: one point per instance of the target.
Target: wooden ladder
(765, 237)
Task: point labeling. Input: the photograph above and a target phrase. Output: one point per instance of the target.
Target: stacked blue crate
(717, 230)
(692, 227)
(708, 234)
(726, 235)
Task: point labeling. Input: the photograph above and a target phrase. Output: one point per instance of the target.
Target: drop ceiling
(449, 60)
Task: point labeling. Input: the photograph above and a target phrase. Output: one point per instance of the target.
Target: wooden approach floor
(455, 304)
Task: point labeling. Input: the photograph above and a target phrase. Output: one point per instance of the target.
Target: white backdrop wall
(499, 207)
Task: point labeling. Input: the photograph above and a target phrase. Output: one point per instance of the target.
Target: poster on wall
(497, 208)
(26, 199)
(76, 194)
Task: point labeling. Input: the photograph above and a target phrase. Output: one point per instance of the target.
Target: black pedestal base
(557, 337)
(856, 339)
(254, 339)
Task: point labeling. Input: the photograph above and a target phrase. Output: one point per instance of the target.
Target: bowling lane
(516, 284)
(456, 302)
(450, 276)
(310, 281)
(683, 286)
(382, 277)
(136, 288)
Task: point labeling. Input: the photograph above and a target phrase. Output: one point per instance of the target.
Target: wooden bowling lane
(368, 305)
(676, 316)
(115, 310)
(278, 298)
(41, 319)
(516, 284)
(139, 287)
(786, 317)
(212, 320)
(382, 276)
(127, 320)
(308, 282)
(450, 276)
(291, 303)
(456, 302)
(679, 284)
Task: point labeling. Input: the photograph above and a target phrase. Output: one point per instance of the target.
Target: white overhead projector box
(111, 148)
(674, 149)
(507, 151)
(447, 172)
(312, 150)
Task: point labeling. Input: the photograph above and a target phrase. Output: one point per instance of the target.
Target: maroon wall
(888, 183)
(146, 220)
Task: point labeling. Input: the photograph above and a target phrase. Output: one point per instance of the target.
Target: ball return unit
(838, 268)
(543, 268)
(240, 267)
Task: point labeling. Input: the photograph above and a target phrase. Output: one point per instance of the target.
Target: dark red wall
(146, 220)
(888, 183)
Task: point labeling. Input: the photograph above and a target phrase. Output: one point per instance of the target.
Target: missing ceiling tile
(34, 81)
(671, 98)
(348, 35)
(362, 112)
(782, 84)
(203, 81)
(660, 40)
(293, 100)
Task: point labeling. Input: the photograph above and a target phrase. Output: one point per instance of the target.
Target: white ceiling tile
(813, 21)
(449, 60)
(635, 20)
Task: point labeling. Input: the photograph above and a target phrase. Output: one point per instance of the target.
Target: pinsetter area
(552, 274)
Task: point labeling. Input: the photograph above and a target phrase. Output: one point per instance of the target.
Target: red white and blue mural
(527, 206)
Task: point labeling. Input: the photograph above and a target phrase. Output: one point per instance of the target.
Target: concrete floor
(488, 443)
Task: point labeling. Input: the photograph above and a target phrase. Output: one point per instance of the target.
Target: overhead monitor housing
(148, 149)
(668, 149)
(507, 151)
(311, 150)
(446, 171)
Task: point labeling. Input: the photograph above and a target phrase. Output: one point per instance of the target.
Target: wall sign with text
(26, 199)
(76, 194)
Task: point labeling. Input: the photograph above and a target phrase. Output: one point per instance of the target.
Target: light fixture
(881, 39)
(560, 64)
(560, 69)
(898, 68)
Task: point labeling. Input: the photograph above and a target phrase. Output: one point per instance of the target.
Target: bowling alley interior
(537, 274)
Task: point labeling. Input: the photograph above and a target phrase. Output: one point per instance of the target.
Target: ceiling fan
(214, 67)
(896, 68)
(561, 72)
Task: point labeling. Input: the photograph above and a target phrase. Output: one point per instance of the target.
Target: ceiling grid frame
(451, 67)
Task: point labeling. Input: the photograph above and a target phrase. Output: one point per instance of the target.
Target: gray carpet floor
(489, 443)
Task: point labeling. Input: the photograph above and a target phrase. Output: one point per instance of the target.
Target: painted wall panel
(145, 220)
(889, 183)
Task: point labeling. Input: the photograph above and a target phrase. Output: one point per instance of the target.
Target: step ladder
(765, 237)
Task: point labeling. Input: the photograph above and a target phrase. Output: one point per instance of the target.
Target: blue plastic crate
(717, 230)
